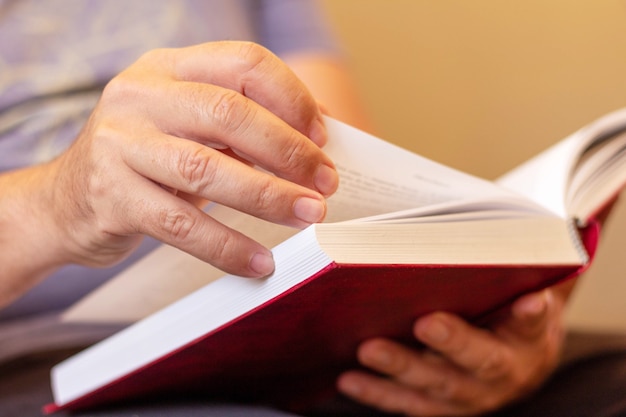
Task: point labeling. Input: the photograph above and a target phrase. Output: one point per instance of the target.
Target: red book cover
(287, 347)
(289, 351)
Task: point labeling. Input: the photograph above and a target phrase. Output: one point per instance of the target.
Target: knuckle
(130, 83)
(294, 155)
(229, 110)
(116, 85)
(219, 246)
(178, 223)
(197, 169)
(122, 86)
(266, 195)
(223, 249)
(254, 56)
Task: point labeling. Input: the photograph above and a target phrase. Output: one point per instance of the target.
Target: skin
(177, 128)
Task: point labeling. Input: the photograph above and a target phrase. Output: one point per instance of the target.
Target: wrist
(30, 245)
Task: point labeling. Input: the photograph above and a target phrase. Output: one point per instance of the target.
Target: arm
(177, 128)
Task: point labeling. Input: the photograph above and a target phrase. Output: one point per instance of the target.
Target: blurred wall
(482, 85)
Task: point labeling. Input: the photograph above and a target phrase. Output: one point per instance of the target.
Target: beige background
(482, 85)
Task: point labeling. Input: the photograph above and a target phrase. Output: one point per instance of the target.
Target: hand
(177, 128)
(465, 370)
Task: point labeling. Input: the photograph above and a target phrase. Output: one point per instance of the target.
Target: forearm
(29, 249)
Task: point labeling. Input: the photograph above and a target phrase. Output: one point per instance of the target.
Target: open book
(405, 236)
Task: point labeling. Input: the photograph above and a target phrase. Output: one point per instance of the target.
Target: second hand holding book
(405, 236)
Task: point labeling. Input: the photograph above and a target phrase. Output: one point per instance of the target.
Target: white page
(377, 177)
(545, 177)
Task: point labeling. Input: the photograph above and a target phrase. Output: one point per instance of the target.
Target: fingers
(202, 171)
(531, 314)
(471, 348)
(154, 211)
(187, 125)
(416, 382)
(221, 117)
(419, 370)
(463, 372)
(252, 71)
(463, 369)
(488, 353)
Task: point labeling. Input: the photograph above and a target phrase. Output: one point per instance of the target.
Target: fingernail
(309, 210)
(436, 331)
(262, 263)
(326, 180)
(349, 386)
(380, 356)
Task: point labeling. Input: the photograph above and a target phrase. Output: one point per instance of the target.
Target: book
(405, 236)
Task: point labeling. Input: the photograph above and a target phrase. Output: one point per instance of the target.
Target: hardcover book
(405, 236)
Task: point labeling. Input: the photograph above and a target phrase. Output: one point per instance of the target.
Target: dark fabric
(590, 385)
(25, 388)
